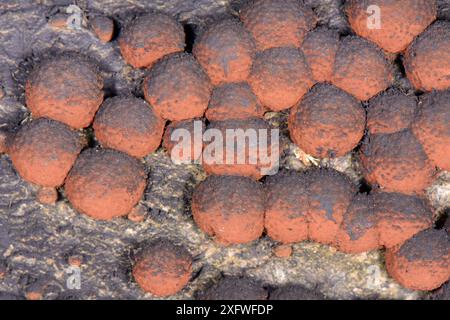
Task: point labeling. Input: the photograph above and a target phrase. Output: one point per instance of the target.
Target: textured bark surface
(39, 243)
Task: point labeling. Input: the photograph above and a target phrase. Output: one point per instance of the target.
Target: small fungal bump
(252, 156)
(431, 127)
(280, 77)
(137, 214)
(282, 251)
(75, 260)
(103, 27)
(47, 195)
(390, 112)
(320, 47)
(162, 268)
(58, 21)
(361, 68)
(396, 162)
(233, 101)
(427, 60)
(190, 132)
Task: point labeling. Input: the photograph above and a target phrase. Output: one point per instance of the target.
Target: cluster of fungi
(273, 57)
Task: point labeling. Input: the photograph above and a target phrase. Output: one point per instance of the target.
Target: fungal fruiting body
(391, 155)
(130, 125)
(311, 205)
(178, 88)
(276, 23)
(105, 184)
(162, 268)
(183, 140)
(229, 208)
(422, 262)
(66, 88)
(427, 60)
(391, 112)
(280, 77)
(397, 162)
(150, 37)
(103, 27)
(249, 148)
(320, 47)
(361, 68)
(392, 25)
(225, 51)
(233, 101)
(43, 151)
(328, 122)
(432, 129)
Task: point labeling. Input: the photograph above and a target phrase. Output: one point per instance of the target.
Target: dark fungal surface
(233, 101)
(428, 245)
(431, 127)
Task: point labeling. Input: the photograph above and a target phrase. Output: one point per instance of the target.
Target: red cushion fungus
(432, 127)
(130, 125)
(280, 77)
(328, 122)
(162, 268)
(400, 21)
(276, 23)
(427, 60)
(421, 263)
(150, 37)
(229, 208)
(225, 50)
(178, 88)
(233, 101)
(66, 88)
(43, 151)
(361, 68)
(105, 184)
